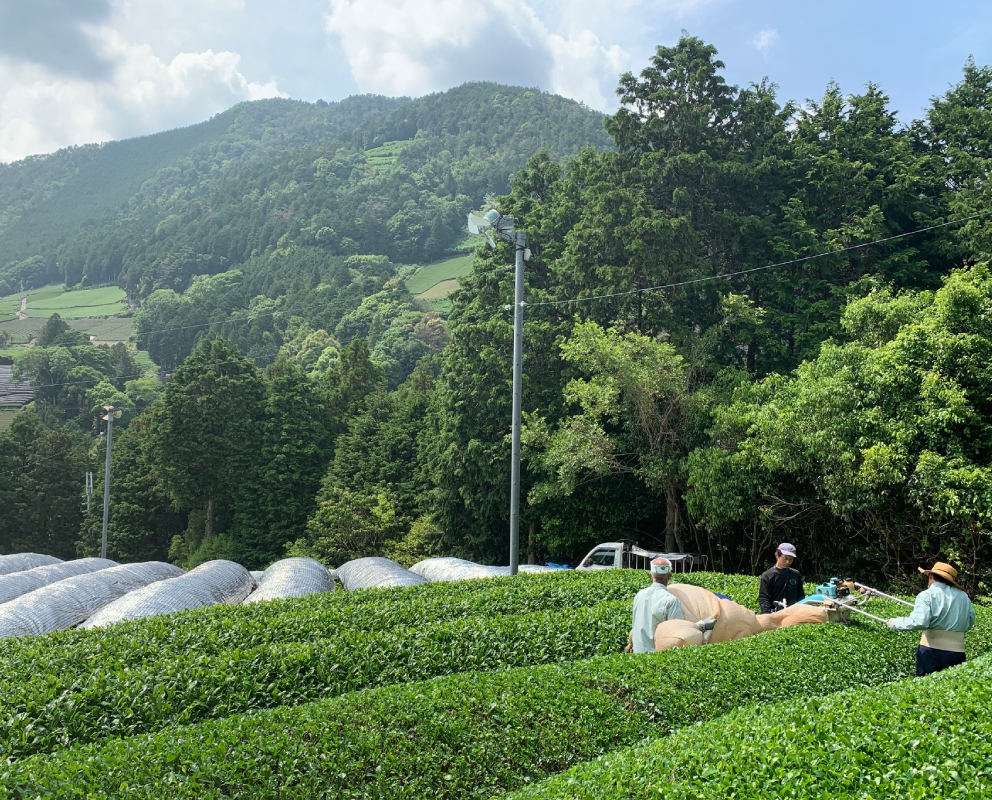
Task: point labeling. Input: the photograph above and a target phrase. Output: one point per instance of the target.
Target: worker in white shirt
(944, 613)
(654, 605)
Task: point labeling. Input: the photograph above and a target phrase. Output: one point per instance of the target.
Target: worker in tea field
(782, 585)
(945, 614)
(654, 605)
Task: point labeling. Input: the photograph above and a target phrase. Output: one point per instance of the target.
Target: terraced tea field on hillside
(93, 311)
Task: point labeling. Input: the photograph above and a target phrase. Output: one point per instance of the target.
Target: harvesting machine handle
(877, 593)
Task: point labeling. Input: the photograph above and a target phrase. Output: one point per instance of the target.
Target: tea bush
(43, 710)
(929, 737)
(470, 735)
(217, 629)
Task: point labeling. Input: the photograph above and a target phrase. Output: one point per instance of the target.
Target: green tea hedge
(42, 711)
(222, 628)
(926, 738)
(466, 735)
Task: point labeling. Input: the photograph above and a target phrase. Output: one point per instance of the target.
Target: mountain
(369, 175)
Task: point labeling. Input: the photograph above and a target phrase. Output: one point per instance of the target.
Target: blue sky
(76, 71)
(913, 49)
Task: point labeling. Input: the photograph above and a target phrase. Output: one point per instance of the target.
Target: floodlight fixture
(492, 220)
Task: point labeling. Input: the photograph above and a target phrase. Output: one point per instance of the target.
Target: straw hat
(944, 571)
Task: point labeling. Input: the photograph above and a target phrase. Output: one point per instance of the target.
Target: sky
(80, 71)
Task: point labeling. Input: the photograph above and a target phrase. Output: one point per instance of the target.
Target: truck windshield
(604, 558)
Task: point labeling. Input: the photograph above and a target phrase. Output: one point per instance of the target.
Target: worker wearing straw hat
(944, 613)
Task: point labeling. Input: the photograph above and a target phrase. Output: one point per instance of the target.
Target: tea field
(93, 311)
(446, 272)
(511, 687)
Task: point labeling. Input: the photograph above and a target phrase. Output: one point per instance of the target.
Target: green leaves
(924, 738)
(887, 436)
(227, 661)
(472, 735)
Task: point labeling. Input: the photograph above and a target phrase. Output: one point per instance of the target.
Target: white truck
(626, 555)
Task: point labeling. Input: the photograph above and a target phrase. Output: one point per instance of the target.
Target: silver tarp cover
(61, 605)
(23, 561)
(292, 577)
(18, 583)
(458, 569)
(256, 574)
(375, 573)
(210, 584)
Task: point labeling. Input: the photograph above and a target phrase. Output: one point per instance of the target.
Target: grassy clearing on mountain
(85, 303)
(21, 331)
(7, 414)
(108, 329)
(448, 270)
(82, 298)
(440, 290)
(385, 155)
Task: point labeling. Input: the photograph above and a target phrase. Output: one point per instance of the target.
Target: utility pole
(110, 416)
(520, 245)
(503, 228)
(89, 491)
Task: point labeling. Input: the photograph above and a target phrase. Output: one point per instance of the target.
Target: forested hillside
(747, 320)
(152, 212)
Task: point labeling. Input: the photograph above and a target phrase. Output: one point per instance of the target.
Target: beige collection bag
(733, 621)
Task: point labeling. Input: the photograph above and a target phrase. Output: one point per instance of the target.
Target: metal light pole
(503, 227)
(110, 416)
(518, 368)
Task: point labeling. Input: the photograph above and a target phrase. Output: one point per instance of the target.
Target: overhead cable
(790, 262)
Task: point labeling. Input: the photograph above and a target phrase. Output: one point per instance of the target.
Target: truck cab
(626, 555)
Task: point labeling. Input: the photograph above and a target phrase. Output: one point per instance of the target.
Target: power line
(725, 275)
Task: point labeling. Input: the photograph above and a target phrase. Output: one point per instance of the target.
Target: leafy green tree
(143, 518)
(348, 525)
(62, 374)
(41, 488)
(349, 383)
(957, 151)
(875, 455)
(637, 413)
(279, 493)
(380, 447)
(204, 433)
(168, 327)
(53, 329)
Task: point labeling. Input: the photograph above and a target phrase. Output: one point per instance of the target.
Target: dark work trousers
(929, 660)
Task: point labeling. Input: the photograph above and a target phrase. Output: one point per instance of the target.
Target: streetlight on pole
(503, 228)
(110, 416)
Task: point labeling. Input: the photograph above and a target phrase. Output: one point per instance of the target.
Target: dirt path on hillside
(22, 314)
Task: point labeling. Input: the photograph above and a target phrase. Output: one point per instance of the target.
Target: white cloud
(419, 46)
(587, 70)
(41, 111)
(765, 39)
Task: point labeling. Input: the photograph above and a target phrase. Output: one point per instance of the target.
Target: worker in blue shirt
(944, 613)
(654, 605)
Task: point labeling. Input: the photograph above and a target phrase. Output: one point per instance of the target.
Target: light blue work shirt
(940, 607)
(652, 606)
